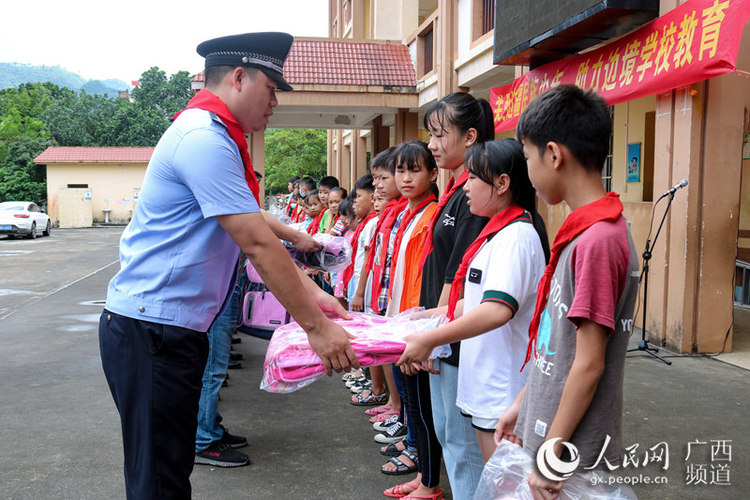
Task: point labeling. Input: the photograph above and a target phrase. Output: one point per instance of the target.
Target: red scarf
(452, 187)
(405, 223)
(607, 208)
(494, 226)
(209, 102)
(394, 207)
(349, 271)
(315, 224)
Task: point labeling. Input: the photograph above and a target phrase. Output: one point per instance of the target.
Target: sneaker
(359, 380)
(383, 426)
(231, 439)
(221, 455)
(393, 434)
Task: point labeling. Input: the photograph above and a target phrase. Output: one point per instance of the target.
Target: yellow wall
(629, 128)
(116, 183)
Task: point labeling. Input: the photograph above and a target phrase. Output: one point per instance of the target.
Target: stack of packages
(292, 364)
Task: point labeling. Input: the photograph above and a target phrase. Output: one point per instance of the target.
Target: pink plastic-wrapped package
(291, 363)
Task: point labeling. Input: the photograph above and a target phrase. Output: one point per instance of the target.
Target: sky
(100, 39)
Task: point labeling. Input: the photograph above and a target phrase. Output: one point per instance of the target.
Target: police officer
(198, 209)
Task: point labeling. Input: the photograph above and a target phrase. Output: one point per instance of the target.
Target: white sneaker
(393, 434)
(384, 425)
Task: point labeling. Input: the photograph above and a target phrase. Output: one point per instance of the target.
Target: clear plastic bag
(505, 477)
(291, 364)
(334, 255)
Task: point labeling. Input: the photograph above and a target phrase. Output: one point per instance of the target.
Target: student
(324, 189)
(306, 185)
(364, 198)
(315, 210)
(579, 334)
(455, 123)
(349, 222)
(498, 278)
(291, 198)
(335, 224)
(415, 174)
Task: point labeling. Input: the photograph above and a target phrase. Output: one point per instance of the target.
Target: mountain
(14, 74)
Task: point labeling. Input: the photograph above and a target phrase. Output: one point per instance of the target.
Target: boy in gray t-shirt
(584, 312)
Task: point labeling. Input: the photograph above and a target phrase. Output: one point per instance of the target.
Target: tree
(159, 93)
(291, 152)
(20, 177)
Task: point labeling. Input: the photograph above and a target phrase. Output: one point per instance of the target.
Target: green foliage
(34, 116)
(20, 178)
(167, 95)
(291, 152)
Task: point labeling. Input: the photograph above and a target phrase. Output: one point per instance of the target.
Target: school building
(681, 110)
(694, 130)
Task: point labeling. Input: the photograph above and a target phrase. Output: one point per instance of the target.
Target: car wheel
(48, 230)
(32, 234)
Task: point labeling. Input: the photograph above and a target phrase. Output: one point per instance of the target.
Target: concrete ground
(60, 430)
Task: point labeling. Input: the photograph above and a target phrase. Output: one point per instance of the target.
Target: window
(483, 18)
(488, 16)
(427, 44)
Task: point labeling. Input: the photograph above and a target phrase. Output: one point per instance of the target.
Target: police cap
(265, 51)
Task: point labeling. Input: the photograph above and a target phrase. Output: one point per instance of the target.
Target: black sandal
(392, 450)
(401, 467)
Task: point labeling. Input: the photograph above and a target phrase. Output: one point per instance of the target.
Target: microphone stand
(643, 344)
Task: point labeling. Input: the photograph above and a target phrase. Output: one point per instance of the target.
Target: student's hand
(330, 305)
(417, 350)
(542, 488)
(506, 425)
(410, 368)
(332, 344)
(358, 303)
(428, 365)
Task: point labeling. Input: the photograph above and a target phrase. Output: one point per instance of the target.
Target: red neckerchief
(404, 224)
(494, 226)
(381, 220)
(349, 271)
(453, 185)
(207, 101)
(608, 208)
(378, 268)
(315, 224)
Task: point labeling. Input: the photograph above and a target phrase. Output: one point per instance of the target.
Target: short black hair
(576, 118)
(308, 182)
(313, 194)
(346, 207)
(385, 159)
(409, 154)
(364, 183)
(213, 74)
(328, 181)
(341, 190)
(293, 179)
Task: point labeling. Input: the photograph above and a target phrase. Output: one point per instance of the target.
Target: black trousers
(154, 372)
(419, 417)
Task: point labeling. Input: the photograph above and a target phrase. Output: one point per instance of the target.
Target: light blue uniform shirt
(176, 261)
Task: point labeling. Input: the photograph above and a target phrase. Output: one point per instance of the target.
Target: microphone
(681, 184)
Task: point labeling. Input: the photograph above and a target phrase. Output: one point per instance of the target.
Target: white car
(23, 217)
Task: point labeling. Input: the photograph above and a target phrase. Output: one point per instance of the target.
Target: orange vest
(412, 272)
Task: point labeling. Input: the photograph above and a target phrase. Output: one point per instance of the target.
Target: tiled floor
(740, 355)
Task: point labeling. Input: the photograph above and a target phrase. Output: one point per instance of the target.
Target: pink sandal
(438, 495)
(399, 491)
(382, 417)
(377, 410)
